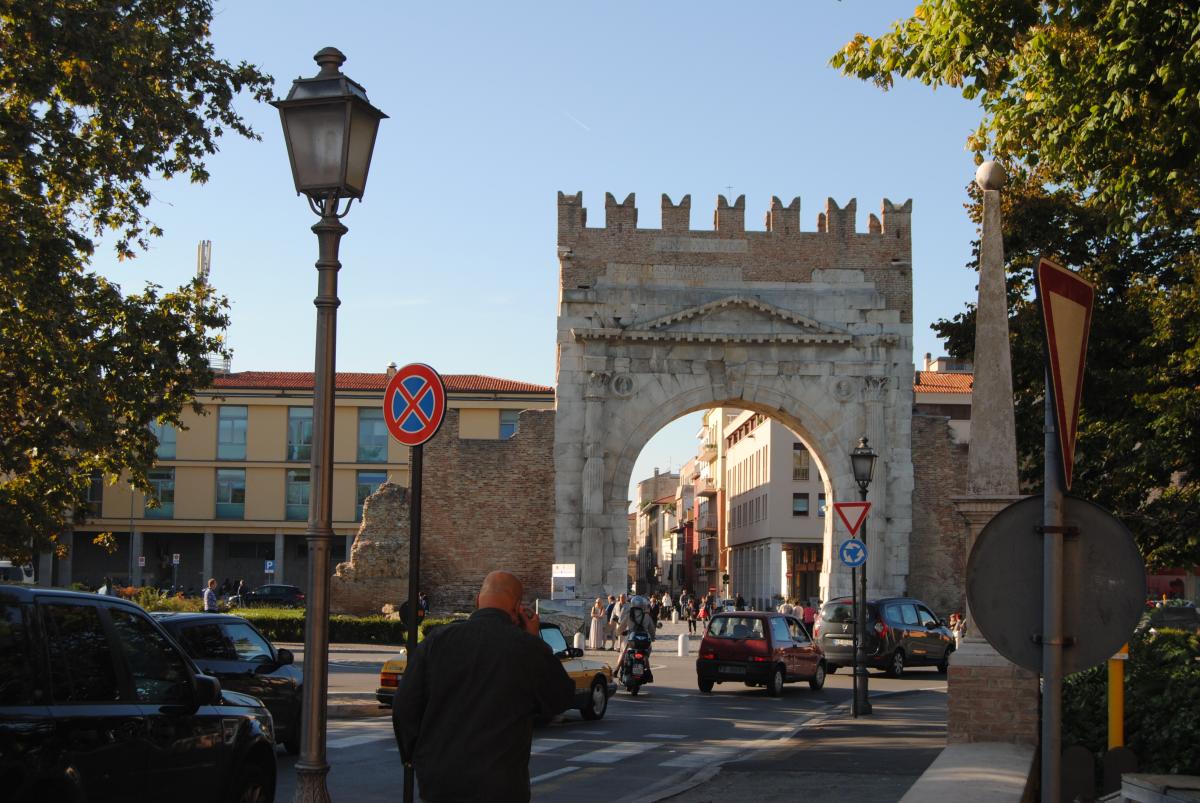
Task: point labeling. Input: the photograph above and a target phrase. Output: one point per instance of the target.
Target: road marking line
(361, 738)
(666, 736)
(547, 776)
(614, 752)
(546, 745)
(701, 756)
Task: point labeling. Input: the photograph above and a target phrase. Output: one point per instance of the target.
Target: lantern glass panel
(317, 136)
(364, 122)
(863, 465)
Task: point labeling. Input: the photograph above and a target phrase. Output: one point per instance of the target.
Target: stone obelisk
(990, 698)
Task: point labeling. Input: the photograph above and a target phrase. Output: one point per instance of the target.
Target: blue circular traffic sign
(853, 552)
(414, 404)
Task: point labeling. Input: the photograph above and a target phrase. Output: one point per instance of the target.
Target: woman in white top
(596, 633)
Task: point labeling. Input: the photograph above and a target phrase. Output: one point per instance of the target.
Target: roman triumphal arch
(813, 328)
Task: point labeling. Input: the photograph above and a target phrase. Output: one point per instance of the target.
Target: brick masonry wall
(487, 504)
(937, 549)
(992, 704)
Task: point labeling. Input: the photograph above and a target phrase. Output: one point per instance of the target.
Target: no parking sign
(414, 404)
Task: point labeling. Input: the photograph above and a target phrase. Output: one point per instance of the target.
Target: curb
(357, 709)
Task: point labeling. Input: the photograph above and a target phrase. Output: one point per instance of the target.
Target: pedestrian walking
(210, 596)
(739, 604)
(475, 746)
(808, 614)
(668, 605)
(786, 607)
(596, 631)
(610, 627)
(618, 609)
(690, 612)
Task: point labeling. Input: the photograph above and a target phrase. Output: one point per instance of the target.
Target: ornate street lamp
(330, 129)
(862, 463)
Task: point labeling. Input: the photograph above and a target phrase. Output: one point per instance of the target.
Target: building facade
(233, 482)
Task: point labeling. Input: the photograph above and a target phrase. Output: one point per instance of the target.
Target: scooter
(635, 662)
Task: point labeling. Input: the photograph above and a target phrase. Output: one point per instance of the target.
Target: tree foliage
(97, 99)
(1094, 106)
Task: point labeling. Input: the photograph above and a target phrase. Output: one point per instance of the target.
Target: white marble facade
(811, 328)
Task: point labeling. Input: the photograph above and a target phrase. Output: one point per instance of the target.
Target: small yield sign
(414, 404)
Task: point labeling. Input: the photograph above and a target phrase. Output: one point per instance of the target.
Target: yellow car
(593, 679)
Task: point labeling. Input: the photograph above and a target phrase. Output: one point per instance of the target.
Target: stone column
(64, 565)
(208, 558)
(875, 393)
(135, 550)
(280, 554)
(45, 568)
(592, 571)
(990, 698)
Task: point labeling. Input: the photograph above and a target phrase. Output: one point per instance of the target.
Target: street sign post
(414, 407)
(268, 567)
(1066, 302)
(854, 554)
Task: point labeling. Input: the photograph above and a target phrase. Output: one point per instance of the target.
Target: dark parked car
(901, 632)
(97, 703)
(233, 651)
(758, 649)
(274, 595)
(1175, 617)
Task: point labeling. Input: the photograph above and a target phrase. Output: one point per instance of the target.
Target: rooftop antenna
(203, 260)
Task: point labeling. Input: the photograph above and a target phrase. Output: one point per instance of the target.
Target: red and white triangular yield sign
(1066, 301)
(857, 509)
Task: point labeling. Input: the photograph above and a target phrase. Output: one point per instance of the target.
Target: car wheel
(944, 664)
(775, 685)
(253, 785)
(818, 680)
(896, 666)
(706, 686)
(597, 702)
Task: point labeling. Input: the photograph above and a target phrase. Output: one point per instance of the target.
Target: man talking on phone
(464, 710)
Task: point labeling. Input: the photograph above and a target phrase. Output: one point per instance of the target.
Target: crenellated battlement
(730, 219)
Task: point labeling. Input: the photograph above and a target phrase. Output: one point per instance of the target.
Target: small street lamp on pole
(862, 462)
(330, 129)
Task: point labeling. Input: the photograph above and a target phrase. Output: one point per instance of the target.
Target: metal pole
(1116, 698)
(860, 653)
(1052, 608)
(854, 645)
(312, 767)
(414, 577)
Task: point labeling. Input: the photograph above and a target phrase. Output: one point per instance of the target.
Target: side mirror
(206, 691)
(283, 657)
(943, 623)
(933, 625)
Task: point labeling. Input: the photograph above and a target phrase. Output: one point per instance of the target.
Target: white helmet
(638, 601)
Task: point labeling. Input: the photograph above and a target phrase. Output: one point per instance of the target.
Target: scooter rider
(636, 616)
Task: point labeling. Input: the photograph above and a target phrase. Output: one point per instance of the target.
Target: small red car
(759, 649)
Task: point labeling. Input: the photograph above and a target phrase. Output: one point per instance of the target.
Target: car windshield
(838, 612)
(736, 627)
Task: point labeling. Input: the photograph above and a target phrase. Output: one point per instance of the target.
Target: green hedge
(284, 624)
(1162, 703)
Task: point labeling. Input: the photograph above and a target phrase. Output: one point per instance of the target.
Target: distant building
(234, 483)
(943, 387)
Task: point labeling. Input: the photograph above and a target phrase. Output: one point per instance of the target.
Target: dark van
(97, 703)
(901, 632)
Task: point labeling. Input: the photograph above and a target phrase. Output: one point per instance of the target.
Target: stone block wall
(486, 504)
(992, 704)
(938, 560)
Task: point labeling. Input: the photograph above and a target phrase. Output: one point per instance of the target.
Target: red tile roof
(942, 382)
(302, 380)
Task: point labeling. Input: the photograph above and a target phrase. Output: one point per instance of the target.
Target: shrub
(287, 624)
(154, 600)
(1162, 703)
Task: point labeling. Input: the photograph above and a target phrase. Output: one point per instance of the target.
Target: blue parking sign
(269, 567)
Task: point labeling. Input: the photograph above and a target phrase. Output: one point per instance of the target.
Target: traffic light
(725, 578)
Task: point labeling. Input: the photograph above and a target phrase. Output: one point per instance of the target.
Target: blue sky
(494, 108)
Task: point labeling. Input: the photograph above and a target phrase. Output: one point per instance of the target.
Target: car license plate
(842, 642)
(637, 671)
(732, 670)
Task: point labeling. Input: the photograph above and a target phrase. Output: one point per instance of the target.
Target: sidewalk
(838, 758)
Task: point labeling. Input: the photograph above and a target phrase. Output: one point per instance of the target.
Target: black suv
(281, 595)
(97, 703)
(901, 632)
(233, 651)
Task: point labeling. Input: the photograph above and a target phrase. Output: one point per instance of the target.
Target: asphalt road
(647, 747)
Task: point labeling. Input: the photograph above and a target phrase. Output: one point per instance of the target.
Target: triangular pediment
(733, 319)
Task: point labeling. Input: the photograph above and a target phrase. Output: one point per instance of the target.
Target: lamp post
(862, 462)
(330, 129)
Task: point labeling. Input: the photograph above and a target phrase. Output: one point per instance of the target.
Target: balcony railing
(706, 523)
(706, 487)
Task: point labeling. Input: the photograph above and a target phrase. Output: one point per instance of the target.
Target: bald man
(464, 710)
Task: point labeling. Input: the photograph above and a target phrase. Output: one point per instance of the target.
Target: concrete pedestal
(990, 699)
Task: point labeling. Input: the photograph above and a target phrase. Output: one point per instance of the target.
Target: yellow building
(234, 482)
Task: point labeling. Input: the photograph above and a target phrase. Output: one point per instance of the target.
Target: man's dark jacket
(464, 710)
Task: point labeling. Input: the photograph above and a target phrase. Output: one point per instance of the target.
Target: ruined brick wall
(487, 504)
(937, 550)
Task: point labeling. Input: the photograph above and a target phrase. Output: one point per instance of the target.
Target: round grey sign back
(1103, 584)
